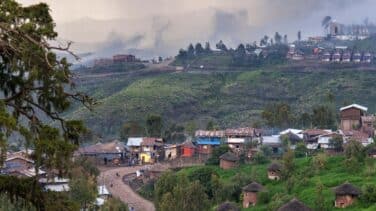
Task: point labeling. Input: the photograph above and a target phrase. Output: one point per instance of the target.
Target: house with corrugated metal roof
(104, 153)
(207, 140)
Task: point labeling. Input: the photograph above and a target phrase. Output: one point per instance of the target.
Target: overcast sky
(152, 27)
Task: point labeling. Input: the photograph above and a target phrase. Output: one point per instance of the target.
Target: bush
(277, 201)
(369, 194)
(260, 158)
(355, 149)
(319, 161)
(263, 197)
(301, 150)
(217, 152)
(204, 177)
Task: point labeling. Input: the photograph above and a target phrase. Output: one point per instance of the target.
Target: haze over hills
(122, 27)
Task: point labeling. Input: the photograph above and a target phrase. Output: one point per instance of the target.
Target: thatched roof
(253, 187)
(229, 156)
(274, 167)
(294, 205)
(228, 206)
(346, 189)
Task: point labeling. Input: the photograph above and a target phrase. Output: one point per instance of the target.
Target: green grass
(304, 189)
(231, 99)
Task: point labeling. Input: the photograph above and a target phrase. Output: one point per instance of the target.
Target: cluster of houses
(338, 54)
(20, 164)
(346, 56)
(355, 124)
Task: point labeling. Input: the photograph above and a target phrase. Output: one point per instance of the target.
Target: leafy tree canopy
(35, 88)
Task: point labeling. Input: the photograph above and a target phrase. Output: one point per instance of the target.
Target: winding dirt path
(113, 179)
(123, 191)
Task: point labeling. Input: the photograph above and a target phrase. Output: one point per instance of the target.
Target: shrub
(260, 158)
(217, 152)
(204, 177)
(369, 194)
(301, 150)
(263, 197)
(320, 161)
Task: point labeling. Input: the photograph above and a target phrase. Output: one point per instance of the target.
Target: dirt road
(113, 179)
(123, 191)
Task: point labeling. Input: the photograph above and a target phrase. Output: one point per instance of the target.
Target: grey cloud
(161, 27)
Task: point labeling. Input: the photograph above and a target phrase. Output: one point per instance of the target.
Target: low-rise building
(55, 184)
(134, 146)
(228, 206)
(237, 138)
(207, 140)
(151, 149)
(228, 160)
(120, 58)
(274, 171)
(188, 149)
(171, 151)
(294, 205)
(346, 194)
(104, 153)
(250, 194)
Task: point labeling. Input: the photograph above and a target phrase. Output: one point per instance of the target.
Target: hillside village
(243, 143)
(268, 125)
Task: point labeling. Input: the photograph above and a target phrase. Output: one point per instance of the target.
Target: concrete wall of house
(272, 175)
(249, 199)
(224, 164)
(343, 201)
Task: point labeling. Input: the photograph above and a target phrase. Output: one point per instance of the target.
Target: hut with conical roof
(228, 206)
(346, 194)
(250, 194)
(228, 160)
(274, 171)
(294, 205)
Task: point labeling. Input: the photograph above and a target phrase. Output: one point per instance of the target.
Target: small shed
(228, 206)
(171, 152)
(228, 160)
(250, 194)
(294, 205)
(188, 149)
(274, 171)
(346, 194)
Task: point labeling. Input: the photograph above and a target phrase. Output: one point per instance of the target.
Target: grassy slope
(335, 174)
(231, 98)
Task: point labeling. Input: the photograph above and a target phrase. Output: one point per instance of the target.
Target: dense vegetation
(230, 99)
(310, 179)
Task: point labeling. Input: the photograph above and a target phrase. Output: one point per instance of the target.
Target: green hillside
(303, 185)
(230, 98)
